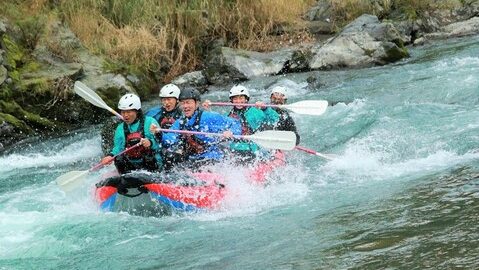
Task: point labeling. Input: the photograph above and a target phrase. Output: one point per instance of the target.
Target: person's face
(169, 103)
(188, 106)
(277, 98)
(239, 99)
(129, 116)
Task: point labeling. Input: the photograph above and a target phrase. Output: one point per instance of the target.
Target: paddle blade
(310, 107)
(274, 139)
(71, 180)
(85, 92)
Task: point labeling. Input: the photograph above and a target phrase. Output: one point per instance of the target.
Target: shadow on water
(434, 224)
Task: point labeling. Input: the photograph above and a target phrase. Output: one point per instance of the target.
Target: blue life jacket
(198, 147)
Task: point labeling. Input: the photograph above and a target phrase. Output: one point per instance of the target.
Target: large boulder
(458, 29)
(225, 65)
(362, 43)
(193, 79)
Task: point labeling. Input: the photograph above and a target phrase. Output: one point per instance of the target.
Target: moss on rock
(19, 125)
(14, 53)
(34, 120)
(394, 53)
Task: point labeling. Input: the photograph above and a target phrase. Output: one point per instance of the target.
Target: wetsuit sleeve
(260, 120)
(118, 140)
(271, 117)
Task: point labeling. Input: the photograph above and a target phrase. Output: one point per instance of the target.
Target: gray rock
(458, 29)
(371, 25)
(465, 28)
(362, 43)
(195, 78)
(319, 27)
(225, 65)
(320, 12)
(107, 81)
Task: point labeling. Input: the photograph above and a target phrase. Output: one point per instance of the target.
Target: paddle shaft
(99, 165)
(308, 107)
(116, 113)
(310, 151)
(273, 139)
(243, 104)
(198, 133)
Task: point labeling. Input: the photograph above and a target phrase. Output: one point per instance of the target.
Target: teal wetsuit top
(252, 120)
(120, 140)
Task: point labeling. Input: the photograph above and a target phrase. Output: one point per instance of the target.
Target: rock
(469, 9)
(195, 79)
(319, 27)
(377, 30)
(465, 28)
(362, 43)
(458, 29)
(320, 12)
(225, 65)
(420, 41)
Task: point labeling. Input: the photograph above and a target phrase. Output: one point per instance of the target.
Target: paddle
(310, 151)
(310, 107)
(85, 92)
(73, 179)
(273, 139)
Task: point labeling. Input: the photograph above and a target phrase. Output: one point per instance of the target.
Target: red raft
(187, 191)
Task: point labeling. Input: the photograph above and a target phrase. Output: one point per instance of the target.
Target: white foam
(74, 152)
(359, 165)
(245, 198)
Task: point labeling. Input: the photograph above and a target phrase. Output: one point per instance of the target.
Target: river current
(402, 193)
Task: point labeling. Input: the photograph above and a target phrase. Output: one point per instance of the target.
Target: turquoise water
(402, 193)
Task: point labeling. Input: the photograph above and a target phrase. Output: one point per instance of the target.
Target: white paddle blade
(310, 107)
(274, 139)
(71, 180)
(85, 92)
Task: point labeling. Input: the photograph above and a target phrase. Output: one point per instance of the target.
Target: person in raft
(279, 96)
(197, 150)
(168, 112)
(134, 130)
(252, 119)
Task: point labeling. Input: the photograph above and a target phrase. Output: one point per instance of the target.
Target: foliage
(31, 29)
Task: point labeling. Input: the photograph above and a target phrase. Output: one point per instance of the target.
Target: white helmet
(129, 102)
(170, 90)
(239, 90)
(280, 90)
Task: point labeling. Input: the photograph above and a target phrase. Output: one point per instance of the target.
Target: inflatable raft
(164, 193)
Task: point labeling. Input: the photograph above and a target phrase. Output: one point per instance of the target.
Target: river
(403, 192)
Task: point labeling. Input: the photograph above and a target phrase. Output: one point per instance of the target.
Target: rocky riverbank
(36, 81)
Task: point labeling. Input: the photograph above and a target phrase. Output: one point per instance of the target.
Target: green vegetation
(344, 11)
(164, 38)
